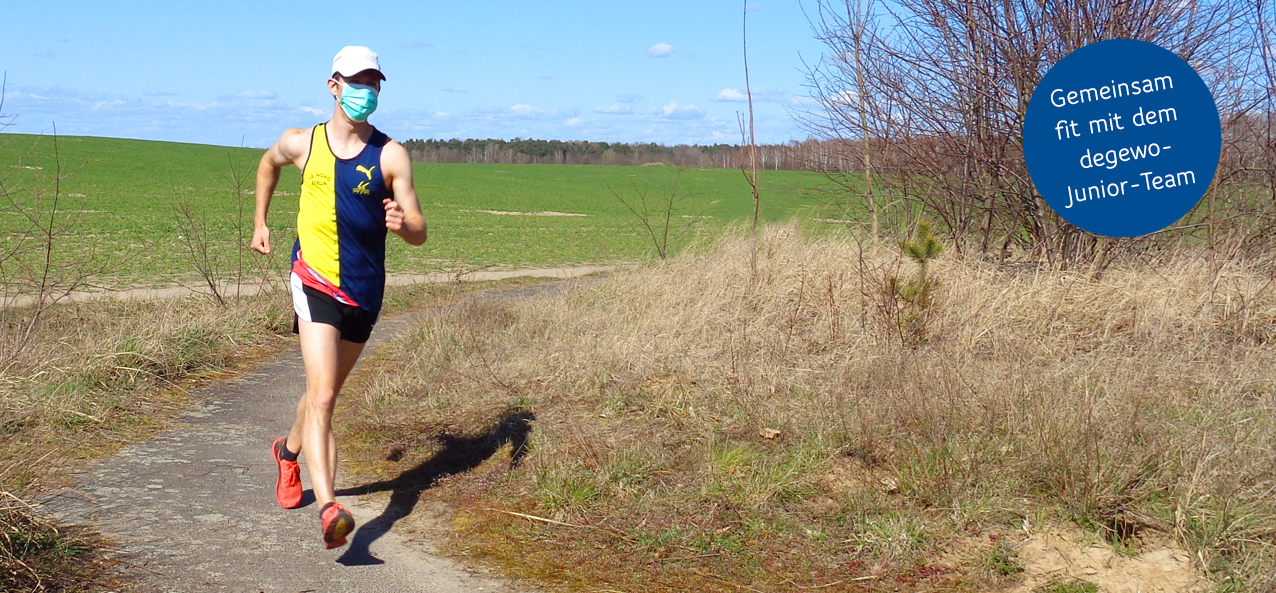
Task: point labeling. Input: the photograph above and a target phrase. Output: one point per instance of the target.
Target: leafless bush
(39, 267)
(6, 119)
(660, 212)
(224, 274)
(936, 91)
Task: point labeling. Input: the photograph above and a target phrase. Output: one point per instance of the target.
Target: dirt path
(193, 509)
(392, 280)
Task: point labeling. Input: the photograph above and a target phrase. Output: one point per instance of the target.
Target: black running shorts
(309, 304)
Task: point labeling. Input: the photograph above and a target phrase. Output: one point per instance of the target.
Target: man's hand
(393, 215)
(261, 239)
(290, 149)
(403, 213)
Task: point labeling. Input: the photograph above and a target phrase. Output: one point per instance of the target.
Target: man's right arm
(287, 150)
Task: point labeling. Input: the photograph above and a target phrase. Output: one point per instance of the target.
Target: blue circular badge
(1122, 138)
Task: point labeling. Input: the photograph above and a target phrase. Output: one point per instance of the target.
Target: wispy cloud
(158, 94)
(254, 94)
(260, 120)
(225, 121)
(454, 91)
(660, 50)
(526, 111)
(615, 109)
(762, 95)
(846, 97)
(44, 54)
(673, 110)
(418, 46)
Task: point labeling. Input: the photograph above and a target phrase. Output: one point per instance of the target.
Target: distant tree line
(810, 154)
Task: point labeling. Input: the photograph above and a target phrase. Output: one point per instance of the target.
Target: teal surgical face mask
(358, 100)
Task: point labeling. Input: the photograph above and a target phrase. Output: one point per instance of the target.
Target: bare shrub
(661, 213)
(936, 91)
(38, 266)
(224, 270)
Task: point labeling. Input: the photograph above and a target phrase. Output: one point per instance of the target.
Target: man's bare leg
(328, 360)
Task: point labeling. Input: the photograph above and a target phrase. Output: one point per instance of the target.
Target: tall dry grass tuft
(1141, 401)
(93, 377)
(98, 374)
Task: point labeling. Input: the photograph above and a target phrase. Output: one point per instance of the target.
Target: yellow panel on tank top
(317, 211)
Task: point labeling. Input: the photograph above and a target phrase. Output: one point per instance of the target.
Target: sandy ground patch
(1065, 556)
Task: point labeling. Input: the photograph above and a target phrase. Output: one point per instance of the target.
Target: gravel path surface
(193, 509)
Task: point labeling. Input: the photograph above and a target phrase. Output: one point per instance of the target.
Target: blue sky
(233, 72)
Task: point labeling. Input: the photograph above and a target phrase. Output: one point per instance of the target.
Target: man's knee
(322, 400)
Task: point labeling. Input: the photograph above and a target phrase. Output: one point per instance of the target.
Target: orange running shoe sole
(337, 524)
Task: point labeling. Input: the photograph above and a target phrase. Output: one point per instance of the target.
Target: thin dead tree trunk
(753, 145)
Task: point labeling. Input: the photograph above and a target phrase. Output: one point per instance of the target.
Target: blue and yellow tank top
(340, 247)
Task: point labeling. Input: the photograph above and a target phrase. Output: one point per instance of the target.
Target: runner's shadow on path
(458, 455)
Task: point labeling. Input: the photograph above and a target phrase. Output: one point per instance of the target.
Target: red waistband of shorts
(315, 280)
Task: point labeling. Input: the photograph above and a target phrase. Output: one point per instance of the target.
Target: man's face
(367, 77)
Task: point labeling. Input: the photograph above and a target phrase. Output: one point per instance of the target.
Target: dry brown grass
(101, 374)
(1141, 400)
(94, 377)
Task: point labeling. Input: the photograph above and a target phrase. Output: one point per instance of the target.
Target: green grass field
(125, 189)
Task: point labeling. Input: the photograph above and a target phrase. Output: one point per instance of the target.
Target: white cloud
(526, 110)
(254, 94)
(675, 111)
(760, 95)
(660, 50)
(847, 97)
(615, 109)
(257, 122)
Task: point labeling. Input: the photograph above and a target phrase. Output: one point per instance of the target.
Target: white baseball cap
(353, 59)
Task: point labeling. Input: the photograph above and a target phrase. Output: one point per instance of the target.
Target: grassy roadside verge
(104, 374)
(700, 425)
(95, 377)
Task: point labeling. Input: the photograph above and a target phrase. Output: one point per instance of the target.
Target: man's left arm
(403, 213)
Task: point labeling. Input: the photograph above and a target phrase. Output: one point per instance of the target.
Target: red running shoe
(288, 485)
(337, 524)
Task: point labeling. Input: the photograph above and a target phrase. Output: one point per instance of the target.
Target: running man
(356, 184)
